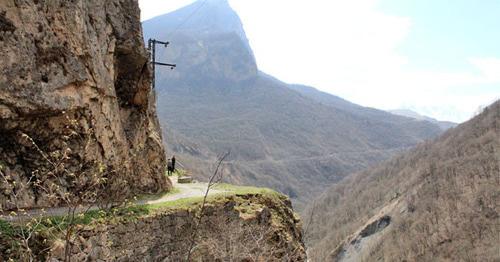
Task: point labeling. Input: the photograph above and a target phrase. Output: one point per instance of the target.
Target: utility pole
(152, 52)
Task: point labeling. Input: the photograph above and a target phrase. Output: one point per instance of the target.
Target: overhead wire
(187, 19)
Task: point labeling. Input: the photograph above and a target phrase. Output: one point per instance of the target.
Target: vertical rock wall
(75, 98)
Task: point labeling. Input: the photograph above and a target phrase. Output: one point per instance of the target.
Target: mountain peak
(206, 36)
(201, 18)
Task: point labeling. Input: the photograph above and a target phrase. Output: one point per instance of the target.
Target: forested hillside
(438, 202)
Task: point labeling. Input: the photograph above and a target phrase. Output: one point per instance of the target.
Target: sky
(440, 58)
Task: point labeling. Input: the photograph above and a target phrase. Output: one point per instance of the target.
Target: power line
(186, 19)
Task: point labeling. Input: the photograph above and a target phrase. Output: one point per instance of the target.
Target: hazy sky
(440, 58)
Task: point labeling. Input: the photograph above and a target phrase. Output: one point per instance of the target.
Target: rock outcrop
(75, 99)
(249, 227)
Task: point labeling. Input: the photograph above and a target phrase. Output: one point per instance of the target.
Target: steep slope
(438, 202)
(408, 113)
(75, 102)
(217, 100)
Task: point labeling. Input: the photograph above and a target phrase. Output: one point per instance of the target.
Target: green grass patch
(62, 222)
(183, 203)
(95, 216)
(229, 190)
(242, 190)
(6, 229)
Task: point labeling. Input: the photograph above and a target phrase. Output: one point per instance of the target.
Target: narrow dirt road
(185, 191)
(196, 189)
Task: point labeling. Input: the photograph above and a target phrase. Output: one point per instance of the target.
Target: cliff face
(251, 227)
(74, 98)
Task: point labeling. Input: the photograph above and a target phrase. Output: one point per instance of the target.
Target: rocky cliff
(239, 227)
(75, 100)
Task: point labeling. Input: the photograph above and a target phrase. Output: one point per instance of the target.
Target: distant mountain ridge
(217, 100)
(409, 113)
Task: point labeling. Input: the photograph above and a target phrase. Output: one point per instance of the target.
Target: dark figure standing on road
(173, 163)
(169, 168)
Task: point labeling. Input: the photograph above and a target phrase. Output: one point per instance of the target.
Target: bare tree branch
(215, 178)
